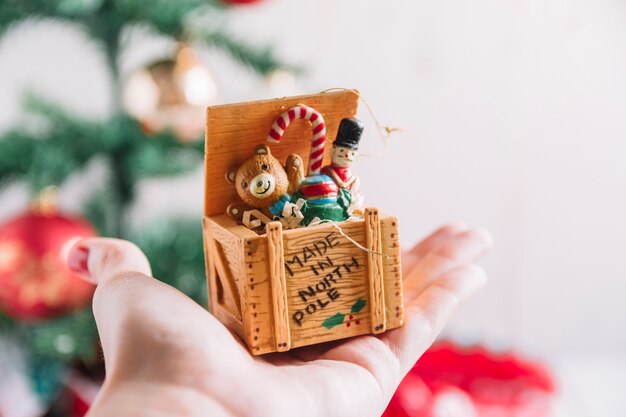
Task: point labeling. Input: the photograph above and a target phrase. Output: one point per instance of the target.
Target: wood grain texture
(392, 268)
(209, 264)
(261, 336)
(228, 226)
(375, 270)
(276, 261)
(349, 289)
(234, 130)
(326, 283)
(224, 309)
(228, 277)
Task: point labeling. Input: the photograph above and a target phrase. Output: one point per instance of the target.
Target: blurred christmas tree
(152, 132)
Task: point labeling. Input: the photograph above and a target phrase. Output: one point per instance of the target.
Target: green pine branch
(175, 251)
(105, 19)
(68, 143)
(262, 59)
(65, 338)
(161, 155)
(16, 154)
(166, 16)
(13, 12)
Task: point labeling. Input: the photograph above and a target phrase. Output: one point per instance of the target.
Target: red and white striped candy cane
(318, 139)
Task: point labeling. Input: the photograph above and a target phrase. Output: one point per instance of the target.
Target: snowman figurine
(344, 152)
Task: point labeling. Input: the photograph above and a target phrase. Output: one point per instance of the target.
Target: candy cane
(318, 138)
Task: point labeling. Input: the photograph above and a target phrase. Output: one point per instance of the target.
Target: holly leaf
(333, 321)
(358, 306)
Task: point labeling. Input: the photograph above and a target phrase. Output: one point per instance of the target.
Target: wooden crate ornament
(282, 289)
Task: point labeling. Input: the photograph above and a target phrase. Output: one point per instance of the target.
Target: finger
(460, 249)
(428, 314)
(436, 238)
(412, 256)
(140, 319)
(121, 270)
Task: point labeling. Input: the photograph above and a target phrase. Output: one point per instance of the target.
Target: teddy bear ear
(231, 174)
(262, 150)
(236, 210)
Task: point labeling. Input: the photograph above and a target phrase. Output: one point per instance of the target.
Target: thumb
(98, 260)
(142, 320)
(124, 284)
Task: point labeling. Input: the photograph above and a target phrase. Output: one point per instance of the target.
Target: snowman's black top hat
(349, 133)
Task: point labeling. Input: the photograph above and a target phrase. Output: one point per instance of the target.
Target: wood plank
(209, 264)
(258, 327)
(328, 290)
(392, 267)
(234, 130)
(276, 271)
(229, 226)
(231, 298)
(211, 233)
(257, 297)
(375, 270)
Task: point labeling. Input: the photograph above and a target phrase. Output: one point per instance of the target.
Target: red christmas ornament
(450, 380)
(35, 282)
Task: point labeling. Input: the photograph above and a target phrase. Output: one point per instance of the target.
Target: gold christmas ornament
(172, 94)
(281, 81)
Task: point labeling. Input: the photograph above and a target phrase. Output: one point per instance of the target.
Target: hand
(166, 356)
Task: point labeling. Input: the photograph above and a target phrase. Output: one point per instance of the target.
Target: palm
(344, 378)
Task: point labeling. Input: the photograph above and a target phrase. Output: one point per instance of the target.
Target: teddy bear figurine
(263, 183)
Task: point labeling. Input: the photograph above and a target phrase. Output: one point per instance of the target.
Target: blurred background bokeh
(513, 117)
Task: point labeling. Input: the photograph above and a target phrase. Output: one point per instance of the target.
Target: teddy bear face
(261, 180)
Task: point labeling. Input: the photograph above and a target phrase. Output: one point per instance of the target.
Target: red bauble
(35, 282)
(237, 2)
(450, 380)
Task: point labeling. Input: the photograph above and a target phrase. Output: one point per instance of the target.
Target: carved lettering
(321, 265)
(307, 253)
(317, 256)
(332, 239)
(311, 308)
(313, 252)
(354, 264)
(321, 286)
(296, 260)
(320, 247)
(297, 317)
(320, 294)
(308, 292)
(322, 304)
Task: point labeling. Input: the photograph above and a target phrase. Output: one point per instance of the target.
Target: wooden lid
(234, 130)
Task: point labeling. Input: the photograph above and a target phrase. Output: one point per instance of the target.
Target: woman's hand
(166, 356)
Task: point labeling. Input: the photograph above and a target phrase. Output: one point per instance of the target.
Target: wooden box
(289, 288)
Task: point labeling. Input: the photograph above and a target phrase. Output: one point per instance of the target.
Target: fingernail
(77, 260)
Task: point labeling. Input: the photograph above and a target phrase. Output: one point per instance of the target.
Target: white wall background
(515, 120)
